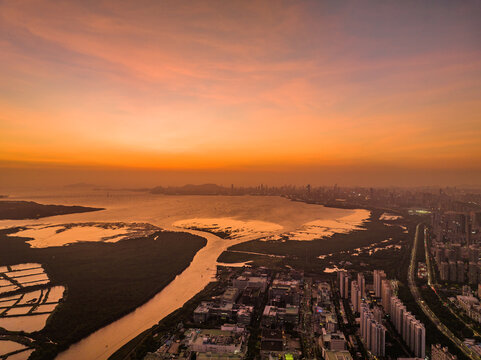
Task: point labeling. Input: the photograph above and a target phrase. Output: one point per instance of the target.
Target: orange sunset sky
(165, 92)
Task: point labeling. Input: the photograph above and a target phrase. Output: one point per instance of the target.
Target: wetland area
(128, 266)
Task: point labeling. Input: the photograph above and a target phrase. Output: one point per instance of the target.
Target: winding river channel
(104, 342)
(253, 217)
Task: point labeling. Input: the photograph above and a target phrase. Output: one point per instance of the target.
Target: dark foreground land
(18, 210)
(104, 281)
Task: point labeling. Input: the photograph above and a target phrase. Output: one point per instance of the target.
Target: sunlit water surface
(248, 217)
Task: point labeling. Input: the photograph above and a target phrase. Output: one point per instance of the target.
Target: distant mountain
(80, 185)
(190, 189)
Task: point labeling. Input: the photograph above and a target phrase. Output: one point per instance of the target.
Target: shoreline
(31, 210)
(65, 265)
(140, 316)
(63, 356)
(221, 242)
(125, 340)
(126, 312)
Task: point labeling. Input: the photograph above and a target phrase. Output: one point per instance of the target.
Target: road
(425, 308)
(428, 259)
(307, 330)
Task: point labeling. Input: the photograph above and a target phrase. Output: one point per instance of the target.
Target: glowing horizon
(241, 86)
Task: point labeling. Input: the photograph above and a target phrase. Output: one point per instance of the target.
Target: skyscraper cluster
(386, 292)
(457, 227)
(411, 330)
(372, 331)
(344, 280)
(356, 297)
(361, 281)
(379, 276)
(458, 263)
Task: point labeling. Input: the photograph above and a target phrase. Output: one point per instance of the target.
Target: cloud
(225, 84)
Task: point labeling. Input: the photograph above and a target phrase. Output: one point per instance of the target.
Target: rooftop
(337, 355)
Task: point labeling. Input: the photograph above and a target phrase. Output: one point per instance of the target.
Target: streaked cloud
(230, 85)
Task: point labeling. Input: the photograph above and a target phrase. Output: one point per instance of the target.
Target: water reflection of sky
(26, 310)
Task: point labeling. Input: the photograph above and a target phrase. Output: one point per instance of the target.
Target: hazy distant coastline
(190, 189)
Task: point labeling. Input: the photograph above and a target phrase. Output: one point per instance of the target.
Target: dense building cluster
(417, 199)
(372, 330)
(332, 341)
(439, 352)
(457, 262)
(457, 227)
(227, 340)
(230, 307)
(282, 315)
(371, 316)
(468, 303)
(411, 329)
(224, 321)
(456, 245)
(456, 249)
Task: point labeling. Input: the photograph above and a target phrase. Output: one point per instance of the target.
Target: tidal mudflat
(243, 218)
